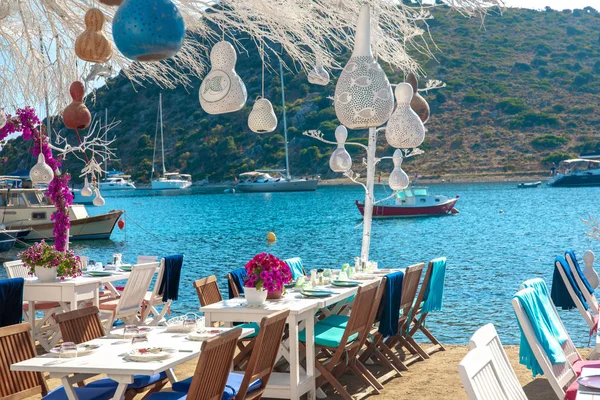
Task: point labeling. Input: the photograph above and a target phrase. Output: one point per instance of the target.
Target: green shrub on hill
(548, 142)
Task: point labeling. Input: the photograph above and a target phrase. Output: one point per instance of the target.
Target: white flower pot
(255, 297)
(46, 274)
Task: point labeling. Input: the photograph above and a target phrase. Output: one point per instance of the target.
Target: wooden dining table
(110, 359)
(298, 381)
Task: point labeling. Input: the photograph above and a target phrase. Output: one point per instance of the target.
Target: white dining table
(298, 381)
(581, 394)
(110, 359)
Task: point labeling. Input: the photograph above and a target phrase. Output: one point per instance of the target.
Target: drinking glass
(327, 273)
(351, 272)
(68, 350)
(189, 323)
(343, 276)
(139, 341)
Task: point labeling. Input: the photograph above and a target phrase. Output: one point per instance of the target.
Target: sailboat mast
(285, 137)
(162, 142)
(106, 134)
(155, 137)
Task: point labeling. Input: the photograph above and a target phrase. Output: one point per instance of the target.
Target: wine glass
(189, 323)
(68, 350)
(139, 341)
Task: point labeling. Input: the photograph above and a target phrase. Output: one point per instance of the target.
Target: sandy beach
(434, 379)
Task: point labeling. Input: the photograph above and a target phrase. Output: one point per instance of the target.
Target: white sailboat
(113, 180)
(261, 181)
(168, 180)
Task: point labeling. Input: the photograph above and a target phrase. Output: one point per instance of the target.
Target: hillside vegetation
(522, 91)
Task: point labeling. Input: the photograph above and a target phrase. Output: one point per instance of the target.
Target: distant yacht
(576, 172)
(168, 180)
(116, 181)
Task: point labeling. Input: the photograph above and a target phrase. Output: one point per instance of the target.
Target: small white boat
(116, 182)
(528, 185)
(258, 181)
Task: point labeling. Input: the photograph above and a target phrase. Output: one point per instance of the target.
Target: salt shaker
(313, 277)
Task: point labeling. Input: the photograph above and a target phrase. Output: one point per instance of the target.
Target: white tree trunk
(369, 195)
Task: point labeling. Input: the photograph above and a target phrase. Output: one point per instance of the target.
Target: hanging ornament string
(262, 60)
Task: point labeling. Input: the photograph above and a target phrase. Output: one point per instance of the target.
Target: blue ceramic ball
(148, 30)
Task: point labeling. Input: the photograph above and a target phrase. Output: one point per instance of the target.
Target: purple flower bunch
(43, 255)
(265, 271)
(59, 194)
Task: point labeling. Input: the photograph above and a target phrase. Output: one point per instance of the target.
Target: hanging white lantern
(398, 179)
(318, 76)
(262, 118)
(41, 173)
(418, 103)
(98, 200)
(404, 130)
(222, 90)
(340, 160)
(363, 95)
(3, 119)
(86, 191)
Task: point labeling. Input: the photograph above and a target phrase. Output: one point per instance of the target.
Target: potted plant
(266, 275)
(48, 263)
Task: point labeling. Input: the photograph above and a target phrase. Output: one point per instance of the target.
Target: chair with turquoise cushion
(212, 371)
(340, 345)
(209, 293)
(16, 345)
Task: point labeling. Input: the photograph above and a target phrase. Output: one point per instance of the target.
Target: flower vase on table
(266, 275)
(48, 263)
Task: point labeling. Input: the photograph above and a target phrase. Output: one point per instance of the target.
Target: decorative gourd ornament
(418, 103)
(340, 160)
(3, 119)
(41, 173)
(363, 95)
(222, 90)
(98, 200)
(398, 179)
(77, 115)
(318, 76)
(86, 191)
(148, 30)
(262, 118)
(92, 45)
(111, 2)
(404, 130)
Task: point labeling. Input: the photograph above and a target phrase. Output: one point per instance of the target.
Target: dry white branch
(592, 223)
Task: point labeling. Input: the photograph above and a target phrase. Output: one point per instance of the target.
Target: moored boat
(8, 237)
(116, 182)
(528, 185)
(576, 172)
(257, 181)
(413, 202)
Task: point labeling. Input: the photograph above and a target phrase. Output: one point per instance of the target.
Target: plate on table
(590, 382)
(316, 293)
(126, 268)
(289, 285)
(99, 273)
(82, 350)
(150, 354)
(203, 335)
(345, 283)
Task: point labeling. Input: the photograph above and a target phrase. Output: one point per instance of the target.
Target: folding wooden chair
(146, 259)
(481, 378)
(209, 293)
(128, 306)
(153, 298)
(16, 345)
(233, 286)
(562, 377)
(419, 317)
(83, 325)
(212, 370)
(487, 337)
(44, 330)
(340, 345)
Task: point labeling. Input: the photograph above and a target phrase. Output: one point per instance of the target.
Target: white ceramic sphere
(340, 160)
(98, 200)
(262, 118)
(41, 173)
(86, 191)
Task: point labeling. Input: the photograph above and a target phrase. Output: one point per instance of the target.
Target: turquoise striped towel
(434, 294)
(296, 266)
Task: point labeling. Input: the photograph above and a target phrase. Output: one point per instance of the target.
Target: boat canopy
(410, 192)
(580, 162)
(254, 174)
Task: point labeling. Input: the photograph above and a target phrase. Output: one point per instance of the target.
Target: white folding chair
(587, 314)
(44, 330)
(589, 297)
(146, 259)
(562, 377)
(128, 306)
(486, 336)
(480, 376)
(153, 299)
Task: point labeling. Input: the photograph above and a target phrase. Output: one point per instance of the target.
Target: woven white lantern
(363, 95)
(222, 90)
(418, 103)
(87, 189)
(98, 200)
(262, 118)
(2, 119)
(41, 173)
(404, 130)
(318, 76)
(340, 160)
(398, 179)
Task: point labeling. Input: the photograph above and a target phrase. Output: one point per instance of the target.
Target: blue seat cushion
(139, 381)
(251, 325)
(328, 336)
(234, 381)
(84, 393)
(336, 320)
(182, 386)
(167, 396)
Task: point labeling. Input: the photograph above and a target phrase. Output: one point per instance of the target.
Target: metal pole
(369, 195)
(285, 138)
(105, 135)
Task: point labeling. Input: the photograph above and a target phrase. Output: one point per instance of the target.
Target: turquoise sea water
(489, 253)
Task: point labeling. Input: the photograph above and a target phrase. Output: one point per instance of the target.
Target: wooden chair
(45, 330)
(128, 306)
(562, 377)
(16, 345)
(420, 317)
(83, 325)
(209, 293)
(481, 378)
(487, 337)
(212, 370)
(147, 259)
(233, 286)
(340, 345)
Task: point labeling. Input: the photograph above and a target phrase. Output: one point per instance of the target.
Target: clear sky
(554, 4)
